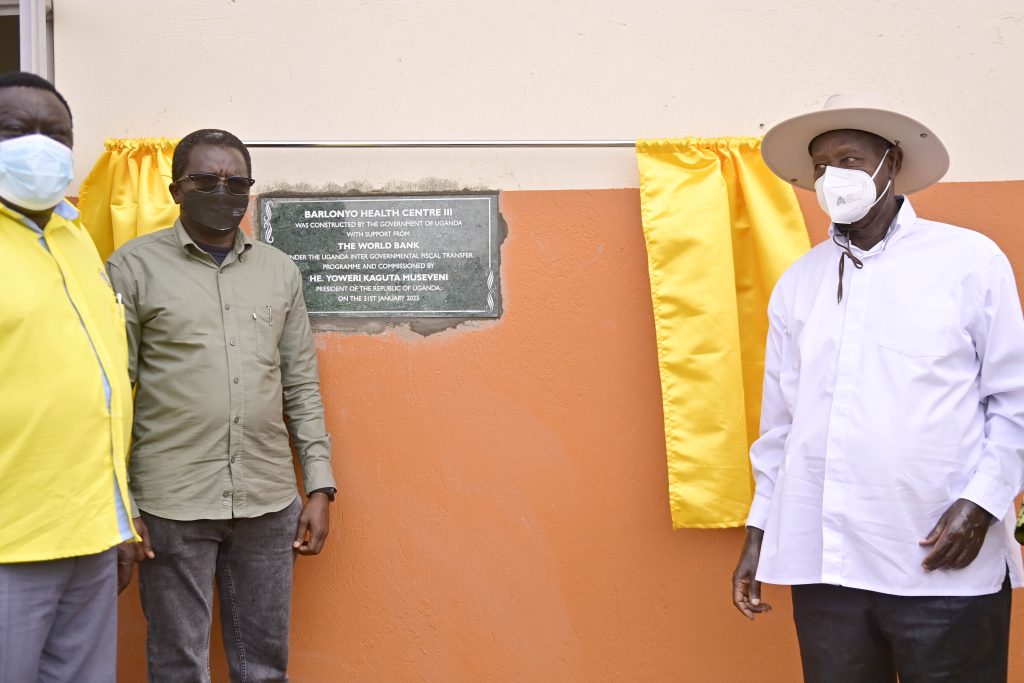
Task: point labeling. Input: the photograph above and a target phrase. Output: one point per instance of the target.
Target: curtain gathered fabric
(720, 229)
(125, 194)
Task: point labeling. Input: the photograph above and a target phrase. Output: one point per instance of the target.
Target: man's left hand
(314, 525)
(125, 565)
(957, 537)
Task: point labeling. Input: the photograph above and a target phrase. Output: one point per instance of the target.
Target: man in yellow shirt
(66, 405)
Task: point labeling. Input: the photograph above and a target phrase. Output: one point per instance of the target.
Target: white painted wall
(529, 69)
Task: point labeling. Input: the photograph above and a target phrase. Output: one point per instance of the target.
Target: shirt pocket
(267, 323)
(919, 325)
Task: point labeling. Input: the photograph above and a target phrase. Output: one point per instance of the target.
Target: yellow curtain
(125, 194)
(720, 230)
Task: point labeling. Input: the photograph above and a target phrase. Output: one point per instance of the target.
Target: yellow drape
(125, 194)
(720, 230)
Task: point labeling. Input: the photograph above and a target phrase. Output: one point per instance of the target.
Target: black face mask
(218, 211)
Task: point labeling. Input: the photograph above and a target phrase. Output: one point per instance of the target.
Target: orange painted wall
(504, 513)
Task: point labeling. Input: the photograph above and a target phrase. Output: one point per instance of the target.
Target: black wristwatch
(330, 491)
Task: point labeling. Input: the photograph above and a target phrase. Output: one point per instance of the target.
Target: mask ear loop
(888, 185)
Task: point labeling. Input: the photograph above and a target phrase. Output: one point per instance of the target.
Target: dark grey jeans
(251, 561)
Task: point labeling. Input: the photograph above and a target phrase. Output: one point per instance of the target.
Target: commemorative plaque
(380, 256)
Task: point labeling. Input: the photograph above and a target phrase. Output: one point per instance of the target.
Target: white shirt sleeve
(767, 453)
(999, 340)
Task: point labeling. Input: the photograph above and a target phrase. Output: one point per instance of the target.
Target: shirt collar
(242, 241)
(903, 223)
(65, 210)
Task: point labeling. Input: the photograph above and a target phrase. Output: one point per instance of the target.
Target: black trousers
(849, 635)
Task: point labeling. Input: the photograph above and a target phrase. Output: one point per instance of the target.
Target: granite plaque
(390, 256)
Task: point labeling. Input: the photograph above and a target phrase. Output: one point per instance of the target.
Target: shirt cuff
(318, 475)
(758, 515)
(328, 491)
(991, 493)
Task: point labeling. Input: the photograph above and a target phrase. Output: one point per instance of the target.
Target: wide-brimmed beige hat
(925, 159)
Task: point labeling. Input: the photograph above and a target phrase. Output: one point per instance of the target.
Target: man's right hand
(746, 590)
(131, 552)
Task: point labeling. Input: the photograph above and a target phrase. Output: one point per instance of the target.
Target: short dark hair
(205, 136)
(24, 79)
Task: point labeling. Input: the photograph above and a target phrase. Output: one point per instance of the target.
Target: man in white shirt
(892, 425)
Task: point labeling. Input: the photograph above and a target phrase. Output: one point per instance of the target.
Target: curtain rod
(437, 143)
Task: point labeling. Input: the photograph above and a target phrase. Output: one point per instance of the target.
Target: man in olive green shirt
(222, 356)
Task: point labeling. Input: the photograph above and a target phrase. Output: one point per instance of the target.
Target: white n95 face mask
(847, 195)
(34, 171)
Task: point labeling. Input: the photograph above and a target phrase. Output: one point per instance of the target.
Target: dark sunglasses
(208, 182)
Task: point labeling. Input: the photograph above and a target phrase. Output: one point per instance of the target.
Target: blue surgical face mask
(35, 171)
